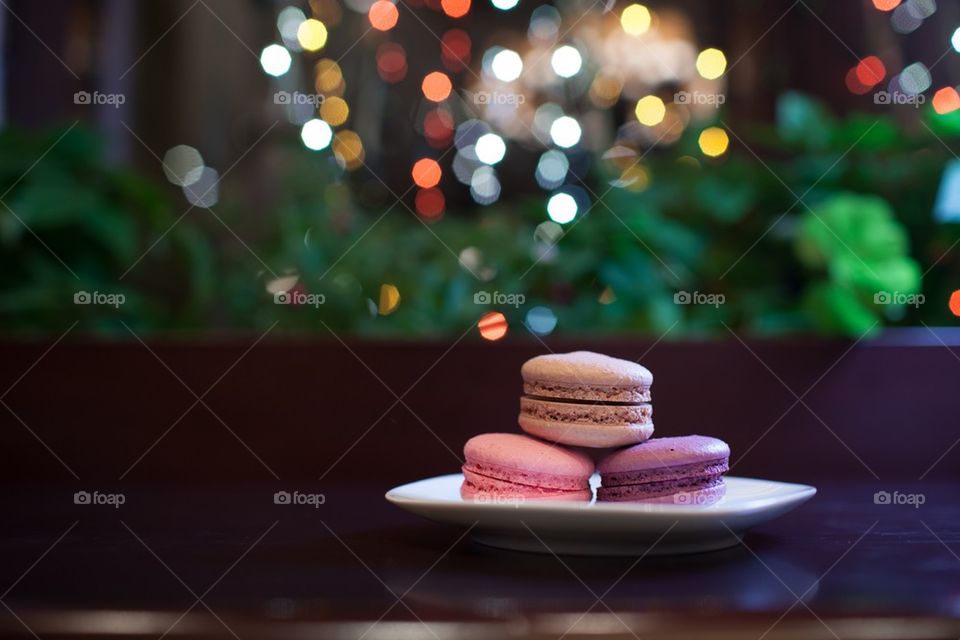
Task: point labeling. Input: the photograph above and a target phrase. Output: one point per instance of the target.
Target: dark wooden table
(199, 549)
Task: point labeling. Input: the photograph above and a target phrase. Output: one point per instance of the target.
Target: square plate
(604, 528)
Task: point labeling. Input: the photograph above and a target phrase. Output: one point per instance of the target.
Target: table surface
(198, 438)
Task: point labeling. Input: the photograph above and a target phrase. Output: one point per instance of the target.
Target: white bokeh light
(490, 148)
(955, 40)
(484, 186)
(316, 134)
(507, 65)
(552, 169)
(565, 132)
(562, 208)
(566, 61)
(275, 60)
(504, 5)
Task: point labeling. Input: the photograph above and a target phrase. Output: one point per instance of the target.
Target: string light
(507, 65)
(562, 208)
(566, 61)
(426, 173)
(490, 148)
(635, 19)
(713, 141)
(275, 60)
(565, 132)
(455, 8)
(650, 110)
(493, 325)
(436, 86)
(312, 35)
(711, 63)
(316, 135)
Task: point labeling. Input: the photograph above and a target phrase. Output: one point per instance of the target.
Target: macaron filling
(714, 468)
(633, 393)
(689, 491)
(585, 413)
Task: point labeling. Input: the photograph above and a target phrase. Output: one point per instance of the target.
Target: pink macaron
(679, 470)
(510, 466)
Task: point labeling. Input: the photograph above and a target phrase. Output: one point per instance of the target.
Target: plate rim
(797, 492)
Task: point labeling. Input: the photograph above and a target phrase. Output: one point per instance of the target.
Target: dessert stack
(586, 399)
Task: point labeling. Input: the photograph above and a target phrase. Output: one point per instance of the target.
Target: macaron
(512, 466)
(586, 399)
(679, 470)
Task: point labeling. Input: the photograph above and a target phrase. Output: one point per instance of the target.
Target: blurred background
(434, 167)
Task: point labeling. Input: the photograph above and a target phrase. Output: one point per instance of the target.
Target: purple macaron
(680, 470)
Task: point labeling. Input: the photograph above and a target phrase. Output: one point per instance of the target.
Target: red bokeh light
(426, 173)
(391, 62)
(853, 83)
(430, 203)
(438, 128)
(946, 100)
(437, 86)
(455, 49)
(870, 71)
(886, 5)
(954, 304)
(455, 8)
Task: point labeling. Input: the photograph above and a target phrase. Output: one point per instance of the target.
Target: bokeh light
(389, 299)
(455, 49)
(205, 191)
(335, 111)
(288, 21)
(946, 100)
(436, 86)
(507, 65)
(650, 110)
(870, 71)
(915, 78)
(348, 149)
(886, 5)
(713, 141)
(955, 40)
(455, 8)
(504, 5)
(552, 169)
(490, 148)
(316, 135)
(954, 303)
(438, 128)
(562, 208)
(484, 186)
(493, 325)
(391, 62)
(711, 63)
(903, 21)
(275, 60)
(183, 165)
(566, 61)
(430, 203)
(565, 132)
(328, 77)
(541, 320)
(383, 15)
(635, 19)
(426, 173)
(312, 34)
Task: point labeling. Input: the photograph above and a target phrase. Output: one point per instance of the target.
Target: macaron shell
(665, 452)
(585, 375)
(690, 495)
(586, 435)
(713, 468)
(514, 453)
(481, 488)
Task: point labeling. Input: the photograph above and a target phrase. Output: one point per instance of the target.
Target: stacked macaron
(585, 399)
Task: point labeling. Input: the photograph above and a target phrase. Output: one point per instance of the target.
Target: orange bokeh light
(430, 203)
(493, 325)
(886, 5)
(946, 100)
(383, 15)
(870, 71)
(455, 8)
(437, 86)
(426, 173)
(955, 303)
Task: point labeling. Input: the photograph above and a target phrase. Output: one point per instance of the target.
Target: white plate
(604, 528)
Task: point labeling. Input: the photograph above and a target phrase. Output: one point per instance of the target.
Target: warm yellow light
(335, 111)
(328, 76)
(389, 299)
(348, 149)
(635, 19)
(711, 63)
(312, 35)
(714, 142)
(650, 110)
